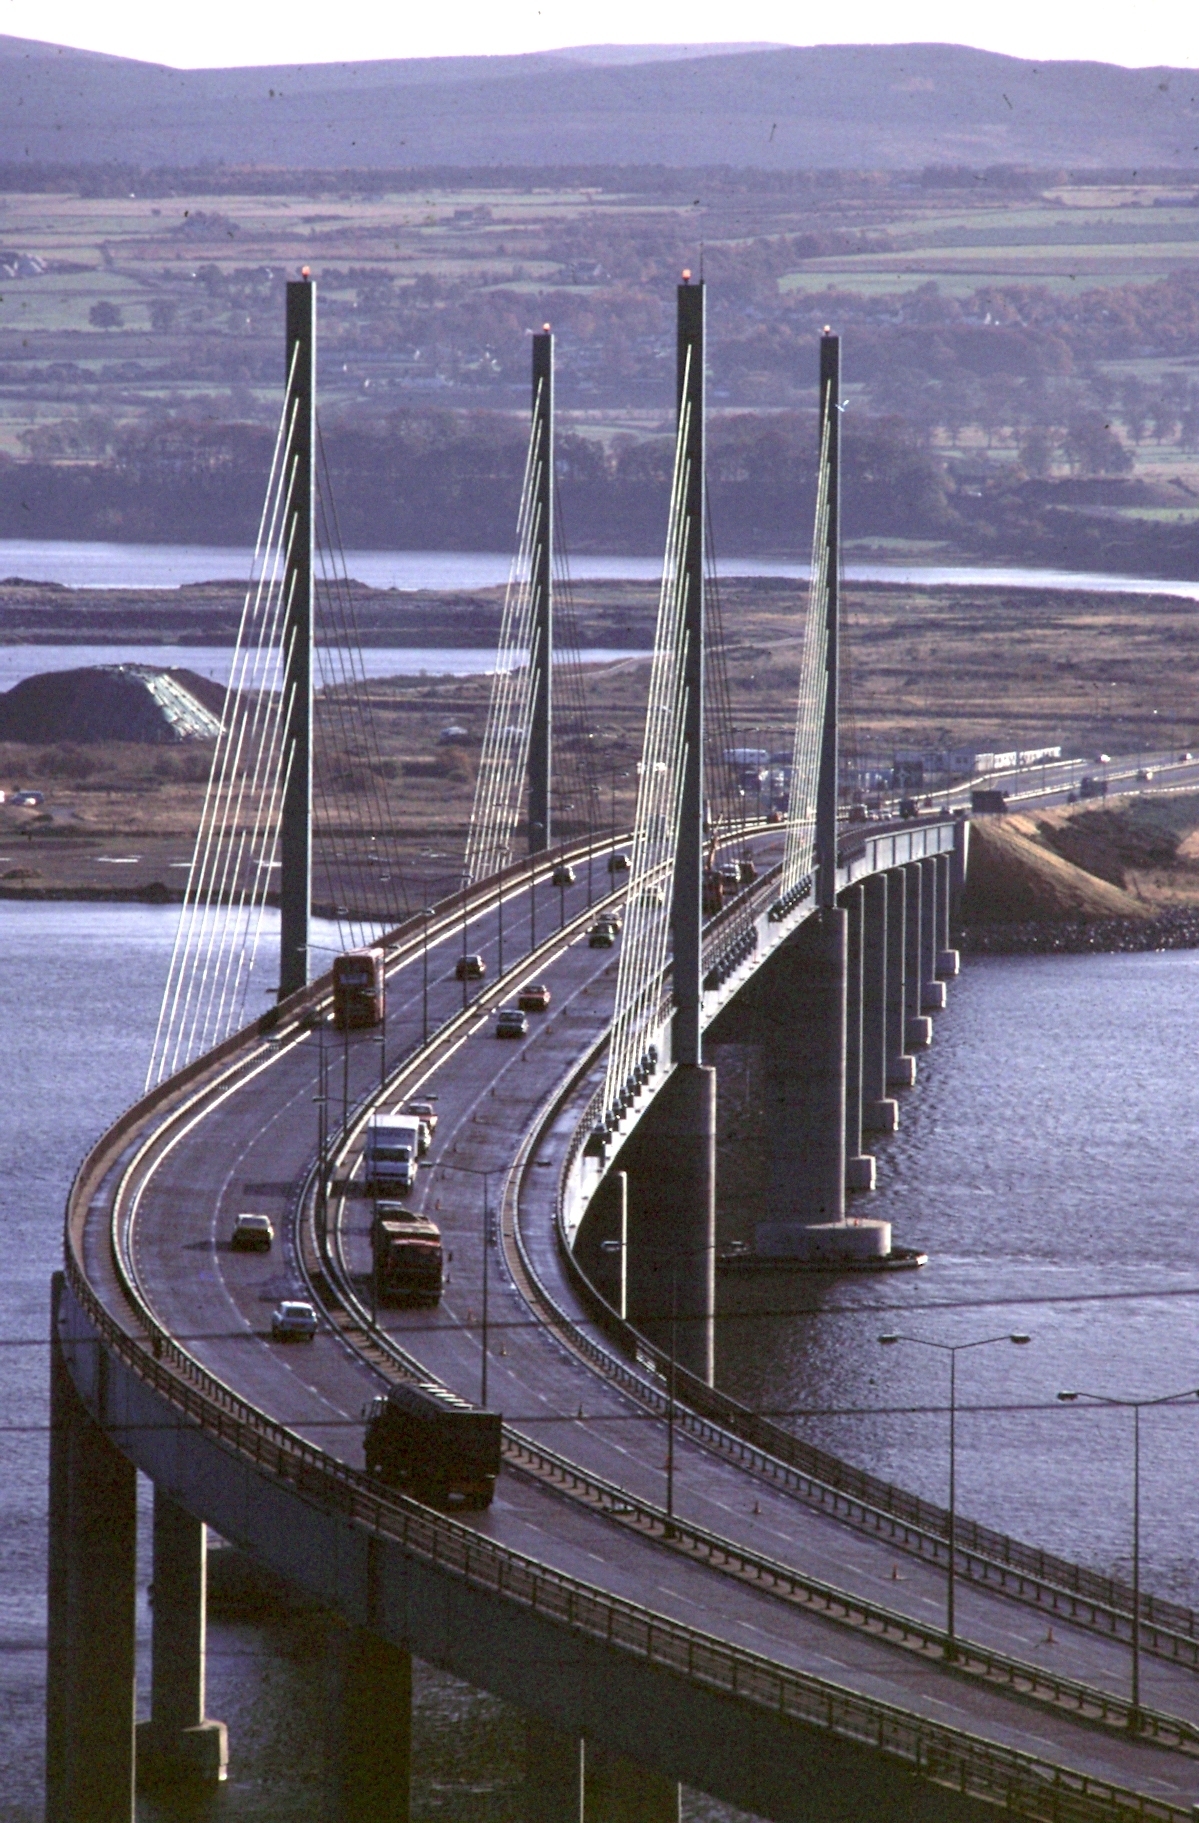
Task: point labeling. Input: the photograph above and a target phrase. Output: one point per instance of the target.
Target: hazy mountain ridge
(884, 107)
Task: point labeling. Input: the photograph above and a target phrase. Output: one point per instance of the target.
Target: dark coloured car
(601, 936)
(563, 874)
(470, 968)
(510, 1022)
(252, 1234)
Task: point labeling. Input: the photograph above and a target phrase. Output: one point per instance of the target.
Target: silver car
(293, 1322)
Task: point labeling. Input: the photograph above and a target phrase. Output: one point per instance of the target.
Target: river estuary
(1043, 1161)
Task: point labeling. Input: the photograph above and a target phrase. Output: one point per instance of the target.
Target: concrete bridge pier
(880, 1111)
(90, 1660)
(179, 1742)
(948, 960)
(901, 1066)
(932, 991)
(670, 1168)
(602, 1244)
(859, 1165)
(368, 1748)
(917, 1026)
(801, 1016)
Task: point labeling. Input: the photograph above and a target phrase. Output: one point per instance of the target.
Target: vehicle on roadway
(359, 989)
(425, 1440)
(511, 1022)
(988, 802)
(1089, 787)
(601, 936)
(533, 999)
(470, 968)
(563, 874)
(389, 1160)
(908, 808)
(252, 1234)
(407, 1252)
(293, 1321)
(422, 1111)
(618, 862)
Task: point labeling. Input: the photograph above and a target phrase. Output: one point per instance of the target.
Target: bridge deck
(250, 1150)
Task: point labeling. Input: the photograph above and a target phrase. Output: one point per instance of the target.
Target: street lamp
(1135, 1406)
(952, 1349)
(474, 1171)
(465, 908)
(426, 914)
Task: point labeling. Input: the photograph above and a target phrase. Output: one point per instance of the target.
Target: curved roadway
(253, 1148)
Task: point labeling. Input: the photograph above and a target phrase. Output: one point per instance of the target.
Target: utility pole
(827, 783)
(295, 878)
(686, 910)
(542, 656)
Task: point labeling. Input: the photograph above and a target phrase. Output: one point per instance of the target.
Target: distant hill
(848, 106)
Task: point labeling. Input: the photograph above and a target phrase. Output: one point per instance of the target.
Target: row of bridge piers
(834, 1022)
(98, 1753)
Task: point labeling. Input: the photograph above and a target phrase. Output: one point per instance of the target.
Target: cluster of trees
(451, 480)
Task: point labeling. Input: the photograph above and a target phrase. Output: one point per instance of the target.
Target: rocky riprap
(1172, 930)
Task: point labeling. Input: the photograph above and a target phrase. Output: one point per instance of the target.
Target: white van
(392, 1149)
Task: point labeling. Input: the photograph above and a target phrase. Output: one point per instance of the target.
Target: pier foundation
(90, 1659)
(880, 1111)
(670, 1165)
(901, 1066)
(859, 1165)
(368, 1756)
(179, 1741)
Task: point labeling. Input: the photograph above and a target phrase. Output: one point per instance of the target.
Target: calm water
(166, 566)
(1044, 1161)
(17, 662)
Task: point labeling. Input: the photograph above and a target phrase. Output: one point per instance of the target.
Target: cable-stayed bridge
(653, 1584)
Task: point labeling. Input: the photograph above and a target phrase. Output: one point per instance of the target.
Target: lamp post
(953, 1350)
(474, 1171)
(1135, 1406)
(465, 904)
(426, 914)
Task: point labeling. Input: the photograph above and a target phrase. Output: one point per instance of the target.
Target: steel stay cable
(265, 517)
(251, 706)
(198, 890)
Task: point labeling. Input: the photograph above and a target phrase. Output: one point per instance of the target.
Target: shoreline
(1178, 929)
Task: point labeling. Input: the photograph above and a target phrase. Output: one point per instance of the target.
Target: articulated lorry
(408, 1256)
(425, 1440)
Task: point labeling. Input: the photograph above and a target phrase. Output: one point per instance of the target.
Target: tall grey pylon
(541, 656)
(687, 904)
(826, 789)
(295, 875)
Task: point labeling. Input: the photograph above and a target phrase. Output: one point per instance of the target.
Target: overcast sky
(225, 32)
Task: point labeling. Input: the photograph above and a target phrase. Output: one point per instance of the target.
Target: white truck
(392, 1149)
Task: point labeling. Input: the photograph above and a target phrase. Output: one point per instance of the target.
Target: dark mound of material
(108, 703)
